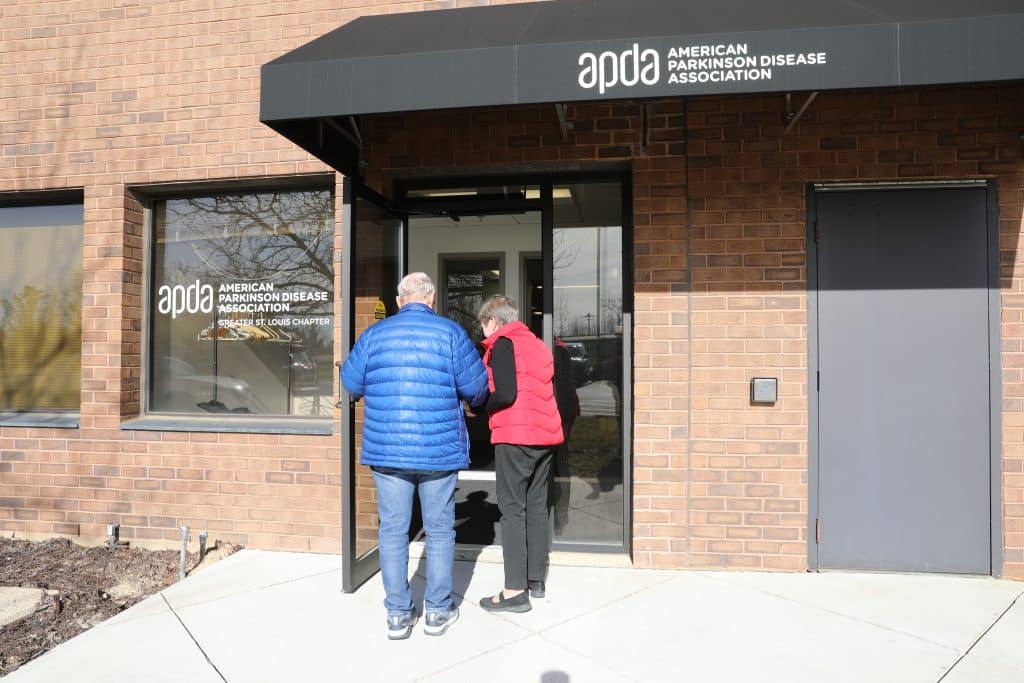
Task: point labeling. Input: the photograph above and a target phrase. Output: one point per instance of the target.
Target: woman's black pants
(523, 474)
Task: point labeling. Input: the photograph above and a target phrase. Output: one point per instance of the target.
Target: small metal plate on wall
(764, 390)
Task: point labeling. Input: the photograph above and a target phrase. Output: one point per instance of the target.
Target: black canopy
(571, 50)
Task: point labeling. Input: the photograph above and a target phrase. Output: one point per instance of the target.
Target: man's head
(415, 288)
(496, 311)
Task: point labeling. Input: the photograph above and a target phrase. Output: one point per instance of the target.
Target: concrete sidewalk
(264, 616)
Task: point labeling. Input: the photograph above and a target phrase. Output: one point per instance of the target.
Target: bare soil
(85, 586)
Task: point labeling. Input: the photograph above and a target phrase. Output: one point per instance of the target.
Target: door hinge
(817, 231)
(817, 530)
(818, 379)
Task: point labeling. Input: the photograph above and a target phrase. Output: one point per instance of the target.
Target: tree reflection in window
(245, 355)
(40, 307)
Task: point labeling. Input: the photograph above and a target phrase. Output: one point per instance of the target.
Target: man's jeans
(395, 490)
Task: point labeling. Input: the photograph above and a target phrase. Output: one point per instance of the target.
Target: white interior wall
(510, 235)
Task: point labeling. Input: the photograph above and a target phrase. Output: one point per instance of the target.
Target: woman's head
(496, 311)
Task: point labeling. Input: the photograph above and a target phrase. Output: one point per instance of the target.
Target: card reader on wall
(764, 390)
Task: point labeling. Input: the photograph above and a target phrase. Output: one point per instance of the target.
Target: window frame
(57, 419)
(152, 420)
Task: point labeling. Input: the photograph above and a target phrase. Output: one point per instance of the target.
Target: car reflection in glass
(187, 390)
(579, 362)
(303, 370)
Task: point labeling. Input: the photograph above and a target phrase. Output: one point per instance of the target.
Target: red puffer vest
(533, 419)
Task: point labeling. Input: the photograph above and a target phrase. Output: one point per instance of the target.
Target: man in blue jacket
(414, 369)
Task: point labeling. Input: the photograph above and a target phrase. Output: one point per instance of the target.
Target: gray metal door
(903, 419)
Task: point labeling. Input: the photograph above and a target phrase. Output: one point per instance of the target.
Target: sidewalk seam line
(526, 636)
(833, 612)
(597, 609)
(978, 640)
(255, 588)
(541, 633)
(201, 650)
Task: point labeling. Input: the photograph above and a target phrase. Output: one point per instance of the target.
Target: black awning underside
(564, 50)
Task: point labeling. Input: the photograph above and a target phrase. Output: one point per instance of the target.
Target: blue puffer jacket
(414, 369)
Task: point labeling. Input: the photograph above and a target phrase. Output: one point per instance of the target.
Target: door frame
(994, 349)
(546, 180)
(444, 258)
(356, 570)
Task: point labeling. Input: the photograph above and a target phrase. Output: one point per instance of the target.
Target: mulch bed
(89, 584)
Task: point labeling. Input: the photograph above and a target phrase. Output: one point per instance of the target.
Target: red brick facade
(105, 95)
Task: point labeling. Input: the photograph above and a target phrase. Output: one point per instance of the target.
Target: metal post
(184, 547)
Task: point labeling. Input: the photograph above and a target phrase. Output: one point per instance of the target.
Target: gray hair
(415, 287)
(499, 307)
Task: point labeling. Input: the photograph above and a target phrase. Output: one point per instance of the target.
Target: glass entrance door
(373, 263)
(470, 259)
(559, 247)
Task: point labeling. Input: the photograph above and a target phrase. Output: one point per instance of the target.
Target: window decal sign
(260, 301)
(195, 298)
(242, 303)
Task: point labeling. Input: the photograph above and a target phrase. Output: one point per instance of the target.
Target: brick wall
(608, 135)
(718, 482)
(746, 183)
(100, 95)
(106, 94)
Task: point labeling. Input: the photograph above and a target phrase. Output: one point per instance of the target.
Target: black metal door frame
(356, 569)
(494, 205)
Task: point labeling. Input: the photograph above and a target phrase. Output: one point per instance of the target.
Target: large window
(242, 302)
(40, 308)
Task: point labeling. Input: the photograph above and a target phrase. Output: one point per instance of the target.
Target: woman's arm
(503, 371)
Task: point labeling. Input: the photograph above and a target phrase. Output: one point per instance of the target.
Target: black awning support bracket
(353, 137)
(563, 121)
(791, 116)
(355, 130)
(344, 133)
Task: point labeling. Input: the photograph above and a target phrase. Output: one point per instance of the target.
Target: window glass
(242, 304)
(588, 348)
(40, 307)
(467, 281)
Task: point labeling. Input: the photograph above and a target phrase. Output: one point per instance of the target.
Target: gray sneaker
(436, 623)
(400, 625)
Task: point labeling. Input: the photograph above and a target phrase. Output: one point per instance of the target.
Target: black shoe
(536, 589)
(520, 603)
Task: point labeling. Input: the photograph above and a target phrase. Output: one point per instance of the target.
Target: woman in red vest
(525, 428)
